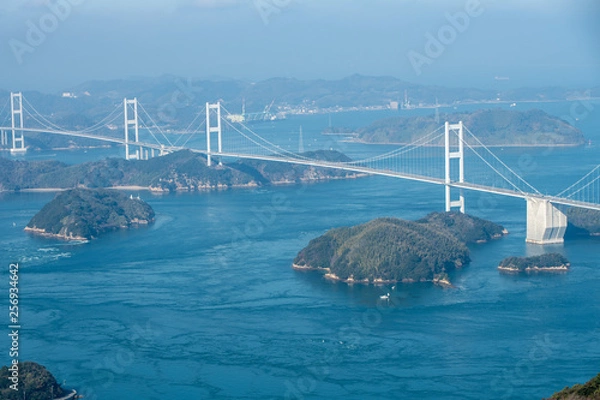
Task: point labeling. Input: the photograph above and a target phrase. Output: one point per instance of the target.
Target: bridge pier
(546, 224)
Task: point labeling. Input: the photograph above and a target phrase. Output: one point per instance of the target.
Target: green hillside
(493, 127)
(390, 249)
(85, 214)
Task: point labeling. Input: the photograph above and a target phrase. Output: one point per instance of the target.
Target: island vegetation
(588, 391)
(179, 171)
(82, 214)
(550, 262)
(388, 250)
(35, 382)
(583, 222)
(493, 127)
(466, 228)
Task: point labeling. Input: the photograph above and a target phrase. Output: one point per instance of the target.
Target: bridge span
(546, 224)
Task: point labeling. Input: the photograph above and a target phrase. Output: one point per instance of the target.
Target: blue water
(204, 303)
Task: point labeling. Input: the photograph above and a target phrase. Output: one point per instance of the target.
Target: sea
(204, 304)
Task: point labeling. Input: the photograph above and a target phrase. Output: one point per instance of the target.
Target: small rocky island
(82, 214)
(34, 382)
(390, 250)
(183, 170)
(551, 262)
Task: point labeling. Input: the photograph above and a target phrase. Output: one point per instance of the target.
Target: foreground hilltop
(588, 391)
(495, 127)
(35, 382)
(81, 214)
(179, 171)
(388, 250)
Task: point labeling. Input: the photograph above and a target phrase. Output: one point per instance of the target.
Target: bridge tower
(454, 149)
(300, 142)
(131, 107)
(212, 109)
(18, 137)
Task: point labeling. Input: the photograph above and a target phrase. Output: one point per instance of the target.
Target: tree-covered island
(179, 171)
(583, 222)
(550, 262)
(82, 214)
(494, 127)
(389, 250)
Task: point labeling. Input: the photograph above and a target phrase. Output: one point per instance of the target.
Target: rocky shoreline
(49, 235)
(327, 274)
(548, 262)
(515, 270)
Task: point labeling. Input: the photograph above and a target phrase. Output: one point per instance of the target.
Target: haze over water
(204, 304)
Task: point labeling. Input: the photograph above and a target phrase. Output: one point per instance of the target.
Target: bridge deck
(331, 165)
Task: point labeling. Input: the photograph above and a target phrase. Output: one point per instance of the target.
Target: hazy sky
(47, 46)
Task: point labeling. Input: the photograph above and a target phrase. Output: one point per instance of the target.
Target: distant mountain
(173, 102)
(492, 127)
(355, 90)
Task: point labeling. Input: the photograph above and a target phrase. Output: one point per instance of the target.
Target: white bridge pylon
(16, 128)
(131, 126)
(454, 150)
(131, 106)
(212, 109)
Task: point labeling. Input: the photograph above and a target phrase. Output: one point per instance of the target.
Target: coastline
(514, 270)
(159, 190)
(445, 283)
(335, 110)
(43, 233)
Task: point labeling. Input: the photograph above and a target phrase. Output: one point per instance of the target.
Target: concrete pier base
(546, 224)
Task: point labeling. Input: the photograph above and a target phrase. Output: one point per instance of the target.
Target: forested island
(582, 222)
(35, 382)
(389, 250)
(588, 391)
(179, 171)
(82, 214)
(495, 127)
(550, 262)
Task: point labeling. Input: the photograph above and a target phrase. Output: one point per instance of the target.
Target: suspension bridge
(450, 156)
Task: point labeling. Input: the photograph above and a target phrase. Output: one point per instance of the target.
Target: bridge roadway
(418, 178)
(332, 165)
